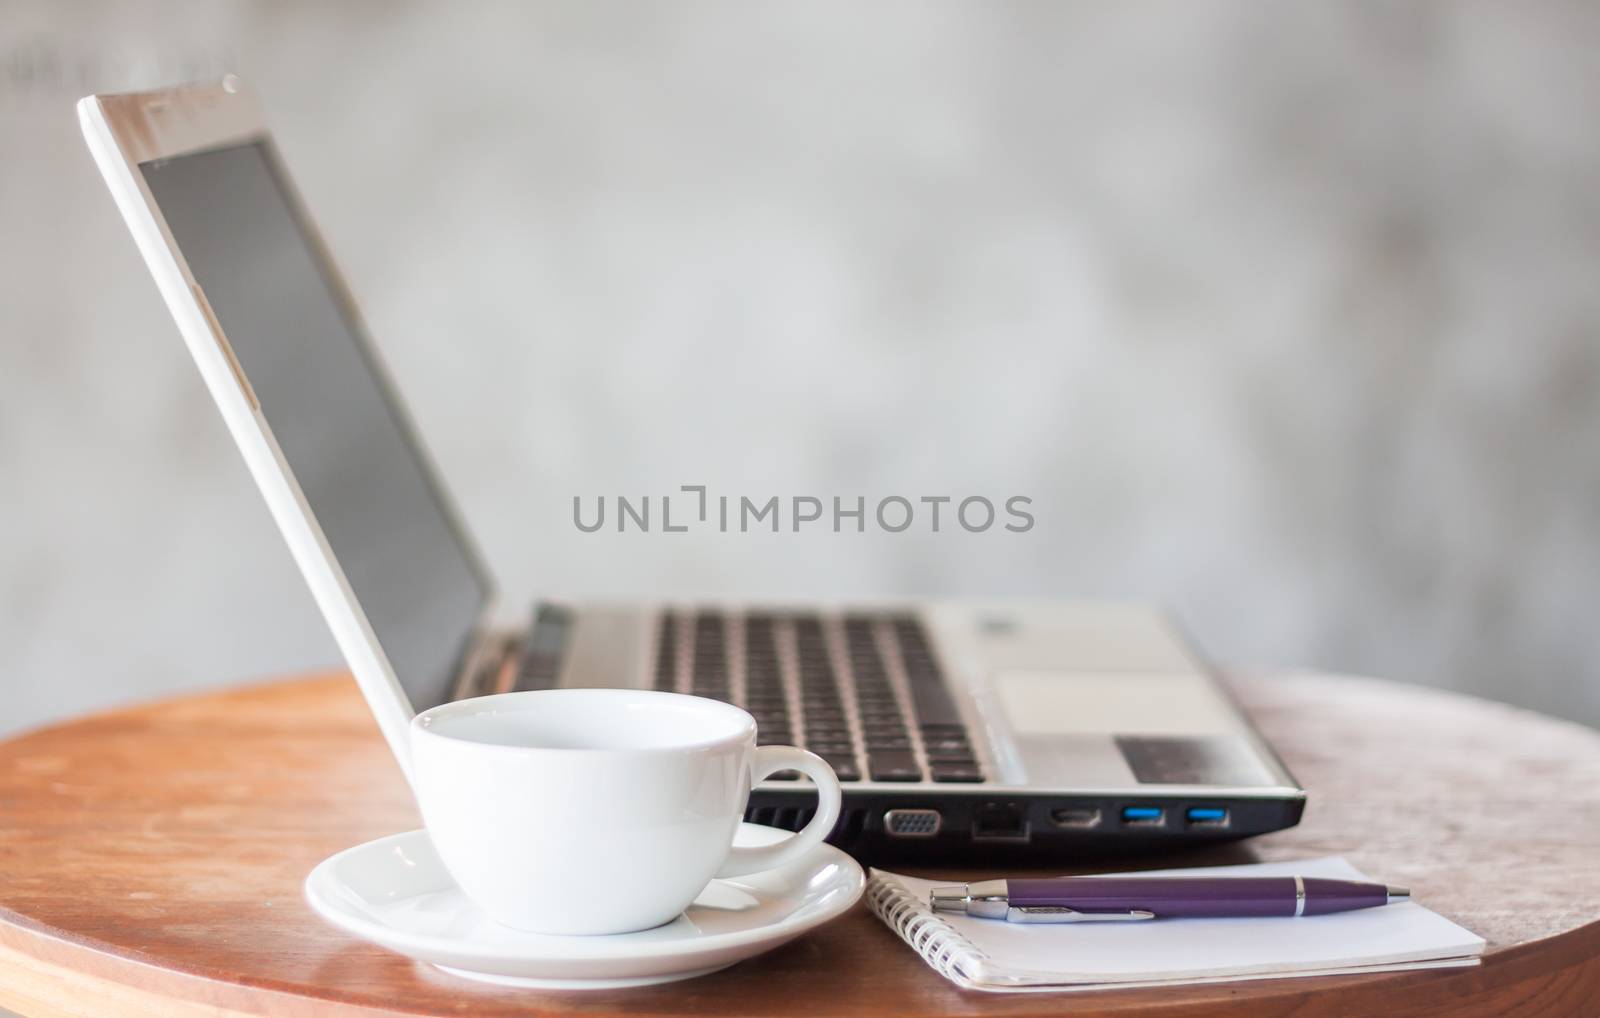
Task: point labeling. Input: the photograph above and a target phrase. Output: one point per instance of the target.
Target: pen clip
(1062, 914)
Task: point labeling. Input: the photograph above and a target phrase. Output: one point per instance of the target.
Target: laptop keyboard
(863, 691)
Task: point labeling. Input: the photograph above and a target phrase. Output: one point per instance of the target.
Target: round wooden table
(151, 862)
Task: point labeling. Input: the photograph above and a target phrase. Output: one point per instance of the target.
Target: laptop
(962, 731)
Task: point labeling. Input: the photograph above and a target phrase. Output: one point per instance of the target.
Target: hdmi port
(1074, 816)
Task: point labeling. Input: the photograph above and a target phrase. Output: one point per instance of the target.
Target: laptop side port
(1144, 816)
(1206, 816)
(1000, 821)
(912, 823)
(1077, 817)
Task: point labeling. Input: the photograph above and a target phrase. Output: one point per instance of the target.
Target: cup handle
(769, 759)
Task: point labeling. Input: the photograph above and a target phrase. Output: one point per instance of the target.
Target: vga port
(912, 823)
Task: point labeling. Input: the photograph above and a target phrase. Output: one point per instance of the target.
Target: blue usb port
(1206, 816)
(1143, 816)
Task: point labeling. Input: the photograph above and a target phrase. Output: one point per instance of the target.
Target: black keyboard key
(821, 708)
(953, 772)
(828, 733)
(885, 726)
(884, 729)
(846, 769)
(825, 749)
(881, 712)
(784, 776)
(830, 737)
(893, 765)
(897, 745)
(826, 723)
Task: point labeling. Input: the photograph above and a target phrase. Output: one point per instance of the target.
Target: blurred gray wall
(1287, 317)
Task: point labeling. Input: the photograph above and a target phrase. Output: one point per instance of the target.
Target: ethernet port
(1000, 821)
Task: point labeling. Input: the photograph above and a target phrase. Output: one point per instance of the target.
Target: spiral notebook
(987, 954)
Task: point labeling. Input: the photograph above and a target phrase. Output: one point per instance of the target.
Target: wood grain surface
(151, 862)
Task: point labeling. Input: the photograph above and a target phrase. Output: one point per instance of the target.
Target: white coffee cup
(586, 811)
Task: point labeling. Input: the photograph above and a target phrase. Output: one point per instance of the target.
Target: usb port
(1206, 816)
(1143, 816)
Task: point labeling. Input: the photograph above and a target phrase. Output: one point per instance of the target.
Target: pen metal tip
(1398, 894)
(949, 898)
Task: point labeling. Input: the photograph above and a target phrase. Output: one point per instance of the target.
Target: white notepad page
(994, 955)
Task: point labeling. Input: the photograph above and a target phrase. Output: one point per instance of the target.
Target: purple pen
(1083, 899)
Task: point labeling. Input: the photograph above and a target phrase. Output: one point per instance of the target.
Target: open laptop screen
(334, 420)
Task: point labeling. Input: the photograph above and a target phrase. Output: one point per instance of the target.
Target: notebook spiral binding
(939, 944)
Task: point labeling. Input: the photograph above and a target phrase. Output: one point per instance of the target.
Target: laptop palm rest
(1123, 729)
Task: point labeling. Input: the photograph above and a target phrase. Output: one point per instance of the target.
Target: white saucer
(394, 891)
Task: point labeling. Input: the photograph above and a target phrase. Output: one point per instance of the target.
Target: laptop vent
(788, 818)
